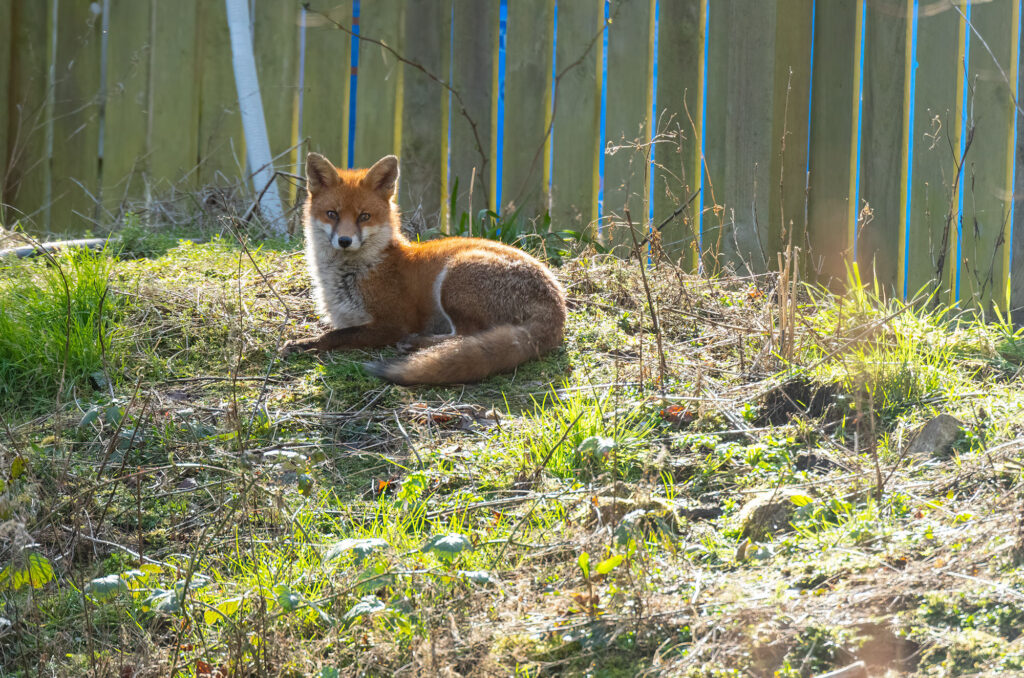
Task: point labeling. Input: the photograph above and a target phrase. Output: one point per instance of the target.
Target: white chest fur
(336, 274)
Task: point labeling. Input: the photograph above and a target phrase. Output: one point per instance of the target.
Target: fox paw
(407, 345)
(296, 346)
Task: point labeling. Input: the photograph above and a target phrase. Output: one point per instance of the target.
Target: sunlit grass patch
(582, 434)
(57, 322)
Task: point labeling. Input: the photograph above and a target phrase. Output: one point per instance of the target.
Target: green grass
(299, 517)
(58, 321)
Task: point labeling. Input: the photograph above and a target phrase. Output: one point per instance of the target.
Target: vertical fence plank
(1016, 281)
(275, 33)
(738, 136)
(124, 142)
(679, 107)
(935, 139)
(988, 181)
(527, 105)
(474, 63)
(832, 117)
(576, 134)
(221, 140)
(880, 223)
(27, 177)
(628, 116)
(379, 84)
(326, 84)
(787, 212)
(6, 36)
(427, 23)
(173, 113)
(76, 123)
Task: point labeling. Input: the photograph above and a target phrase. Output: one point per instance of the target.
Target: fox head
(351, 206)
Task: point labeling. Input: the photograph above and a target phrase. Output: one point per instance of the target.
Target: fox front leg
(365, 336)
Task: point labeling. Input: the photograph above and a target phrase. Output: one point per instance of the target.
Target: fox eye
(331, 214)
(363, 216)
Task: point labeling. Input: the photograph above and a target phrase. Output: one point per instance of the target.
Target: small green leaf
(479, 577)
(90, 416)
(412, 487)
(609, 564)
(597, 446)
(36, 572)
(113, 415)
(360, 547)
(584, 562)
(18, 466)
(286, 598)
(801, 499)
(164, 600)
(448, 546)
(104, 588)
(364, 608)
(222, 610)
(328, 672)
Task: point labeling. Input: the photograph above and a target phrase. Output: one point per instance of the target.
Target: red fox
(468, 307)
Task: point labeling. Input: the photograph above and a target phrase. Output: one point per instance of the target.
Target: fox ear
(320, 173)
(383, 176)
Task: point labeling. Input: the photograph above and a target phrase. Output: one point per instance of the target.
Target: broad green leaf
(164, 600)
(286, 598)
(18, 466)
(224, 608)
(481, 577)
(90, 416)
(360, 547)
(412, 487)
(104, 588)
(448, 546)
(801, 499)
(35, 572)
(151, 568)
(584, 562)
(597, 446)
(328, 672)
(373, 578)
(113, 415)
(609, 564)
(364, 608)
(305, 484)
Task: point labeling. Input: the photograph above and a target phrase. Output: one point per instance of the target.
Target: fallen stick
(32, 250)
(854, 670)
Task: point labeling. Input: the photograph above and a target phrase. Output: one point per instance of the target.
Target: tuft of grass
(57, 321)
(582, 435)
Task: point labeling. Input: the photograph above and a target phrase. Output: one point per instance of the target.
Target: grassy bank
(713, 497)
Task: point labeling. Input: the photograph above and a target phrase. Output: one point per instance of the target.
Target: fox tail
(466, 359)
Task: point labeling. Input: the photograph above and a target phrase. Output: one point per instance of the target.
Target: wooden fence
(878, 131)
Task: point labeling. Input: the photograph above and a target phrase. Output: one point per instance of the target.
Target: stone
(767, 513)
(935, 438)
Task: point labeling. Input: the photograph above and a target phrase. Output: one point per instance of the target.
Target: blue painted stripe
(353, 90)
(1016, 162)
(703, 139)
(604, 119)
(654, 119)
(860, 127)
(963, 145)
(910, 149)
(810, 109)
(550, 160)
(500, 145)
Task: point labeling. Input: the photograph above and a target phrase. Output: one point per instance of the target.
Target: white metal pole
(251, 106)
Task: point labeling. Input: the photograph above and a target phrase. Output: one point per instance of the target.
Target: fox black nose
(344, 241)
